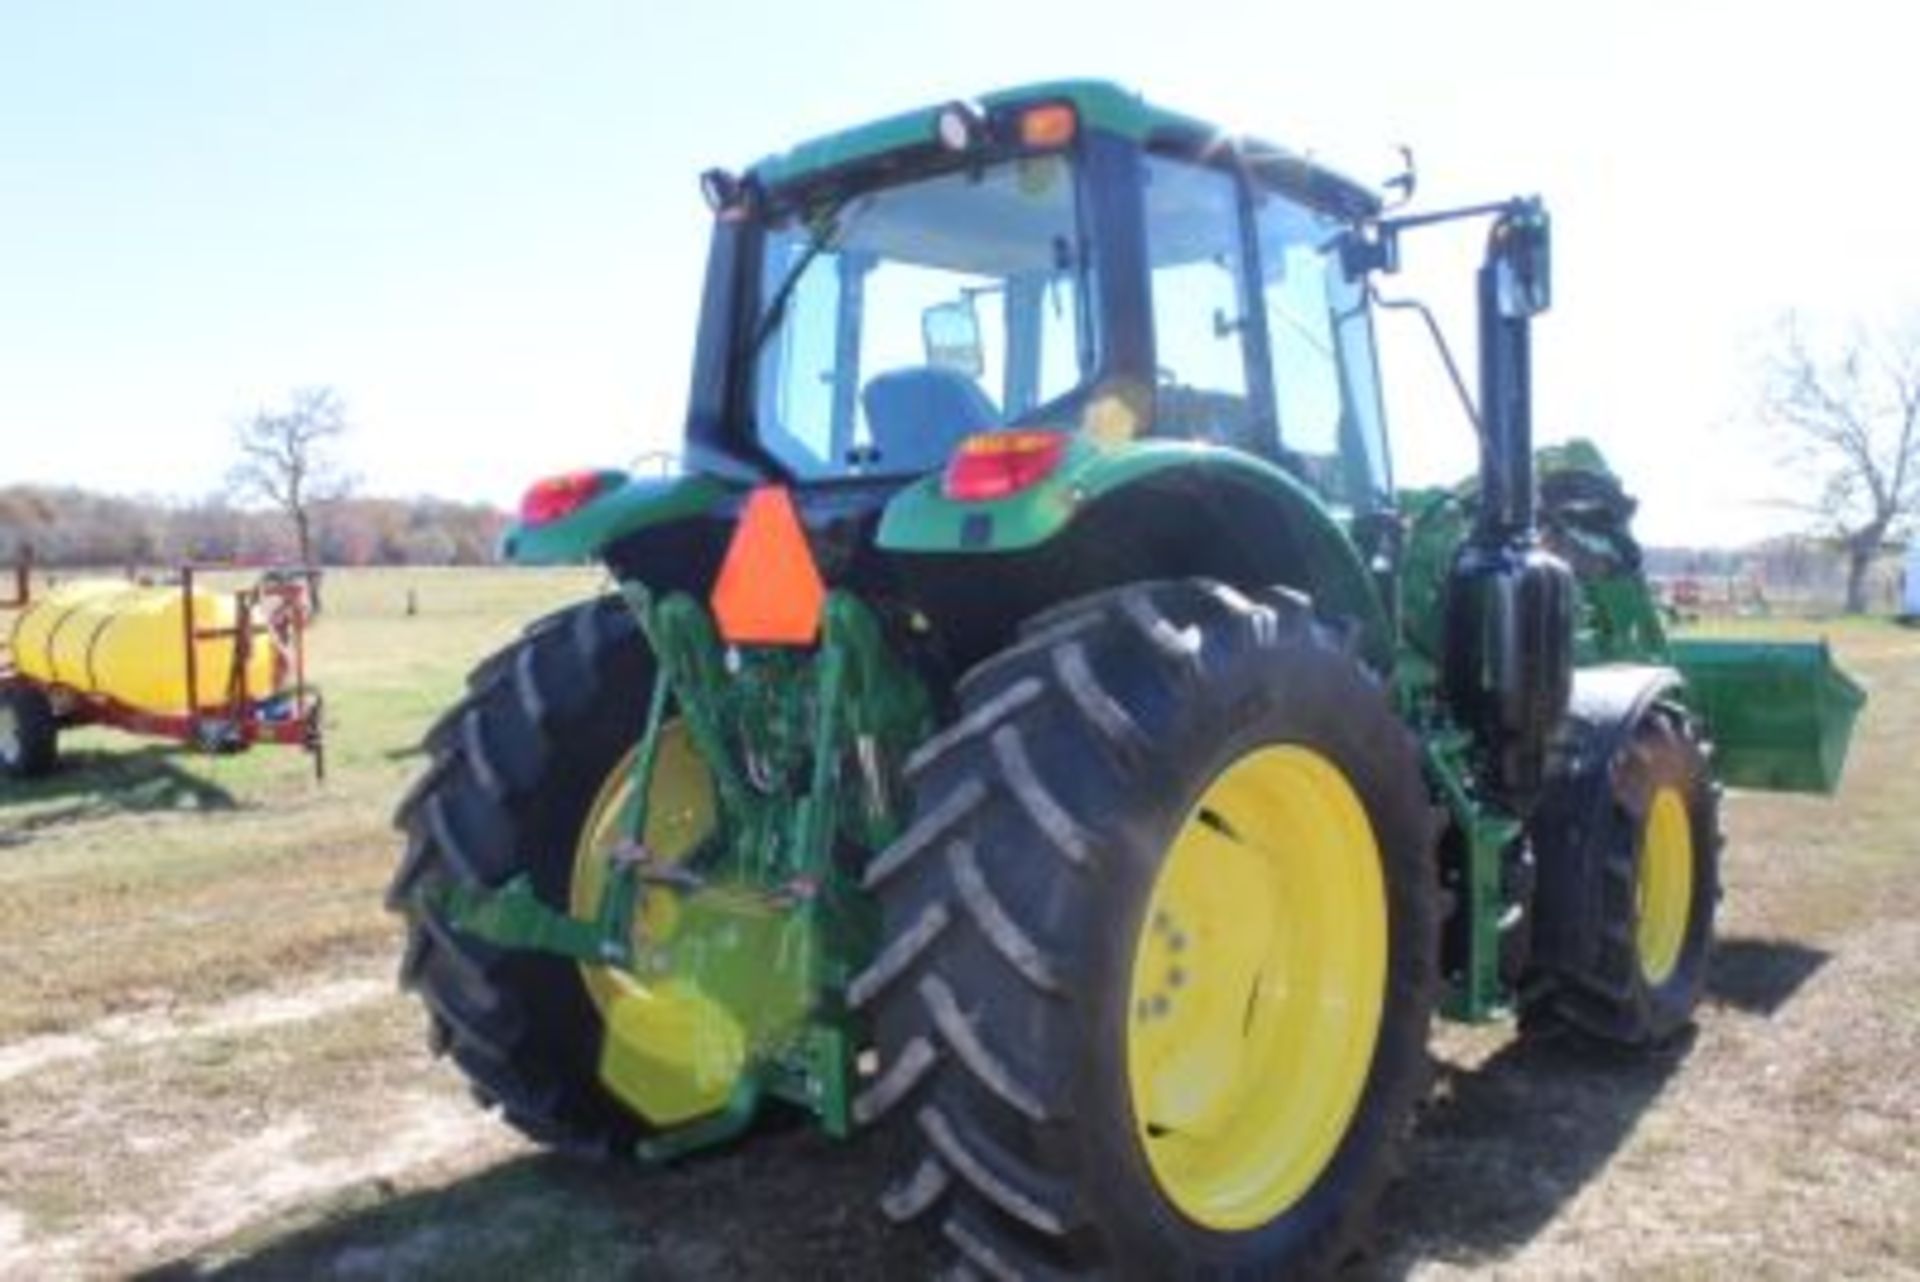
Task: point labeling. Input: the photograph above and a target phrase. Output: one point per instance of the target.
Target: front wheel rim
(9, 733)
(1663, 885)
(1257, 988)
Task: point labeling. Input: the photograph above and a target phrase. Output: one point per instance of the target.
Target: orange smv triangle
(769, 591)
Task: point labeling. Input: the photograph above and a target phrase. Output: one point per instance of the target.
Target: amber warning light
(1050, 126)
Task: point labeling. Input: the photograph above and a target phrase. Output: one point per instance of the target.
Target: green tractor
(1032, 721)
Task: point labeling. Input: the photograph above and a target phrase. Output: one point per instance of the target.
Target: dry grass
(203, 1068)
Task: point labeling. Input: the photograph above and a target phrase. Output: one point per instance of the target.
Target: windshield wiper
(827, 230)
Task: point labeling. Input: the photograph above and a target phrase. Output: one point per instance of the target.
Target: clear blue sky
(479, 220)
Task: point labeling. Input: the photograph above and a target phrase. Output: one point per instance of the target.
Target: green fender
(922, 519)
(633, 504)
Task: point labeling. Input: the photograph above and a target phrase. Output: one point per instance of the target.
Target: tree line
(288, 500)
(1791, 571)
(68, 526)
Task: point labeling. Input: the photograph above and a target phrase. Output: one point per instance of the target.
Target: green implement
(1781, 713)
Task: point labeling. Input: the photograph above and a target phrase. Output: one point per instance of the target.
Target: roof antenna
(1400, 186)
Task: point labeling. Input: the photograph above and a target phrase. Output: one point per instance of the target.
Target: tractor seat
(919, 416)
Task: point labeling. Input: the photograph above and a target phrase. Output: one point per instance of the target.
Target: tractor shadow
(1502, 1147)
(785, 1204)
(91, 784)
(1759, 976)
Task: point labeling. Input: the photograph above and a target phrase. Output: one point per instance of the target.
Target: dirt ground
(205, 1071)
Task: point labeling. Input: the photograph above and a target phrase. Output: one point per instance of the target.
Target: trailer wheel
(1652, 817)
(29, 732)
(519, 774)
(1158, 955)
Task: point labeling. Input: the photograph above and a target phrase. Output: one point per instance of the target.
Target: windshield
(903, 320)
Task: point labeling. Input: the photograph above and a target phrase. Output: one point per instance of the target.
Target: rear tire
(1652, 817)
(1015, 907)
(514, 771)
(29, 733)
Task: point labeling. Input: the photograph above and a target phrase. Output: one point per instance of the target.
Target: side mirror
(1523, 261)
(1367, 249)
(951, 332)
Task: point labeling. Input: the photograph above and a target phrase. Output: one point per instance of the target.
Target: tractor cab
(1065, 260)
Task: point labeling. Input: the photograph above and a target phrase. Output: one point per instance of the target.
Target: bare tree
(287, 459)
(1850, 415)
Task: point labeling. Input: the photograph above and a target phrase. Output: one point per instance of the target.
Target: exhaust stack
(1509, 614)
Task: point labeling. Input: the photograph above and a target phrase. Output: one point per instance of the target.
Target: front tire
(1650, 822)
(1172, 829)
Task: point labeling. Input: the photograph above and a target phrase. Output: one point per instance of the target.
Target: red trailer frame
(273, 611)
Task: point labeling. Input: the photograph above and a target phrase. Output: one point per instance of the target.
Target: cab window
(1320, 348)
(1197, 266)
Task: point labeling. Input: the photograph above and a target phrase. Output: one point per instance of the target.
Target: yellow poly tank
(32, 639)
(129, 643)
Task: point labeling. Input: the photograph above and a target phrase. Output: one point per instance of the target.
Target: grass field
(204, 1068)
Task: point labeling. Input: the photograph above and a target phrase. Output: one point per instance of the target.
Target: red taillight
(563, 495)
(992, 465)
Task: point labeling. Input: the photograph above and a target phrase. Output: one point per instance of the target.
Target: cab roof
(1100, 105)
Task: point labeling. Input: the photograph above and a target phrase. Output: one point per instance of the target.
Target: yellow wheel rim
(668, 1051)
(1258, 979)
(1663, 885)
(680, 815)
